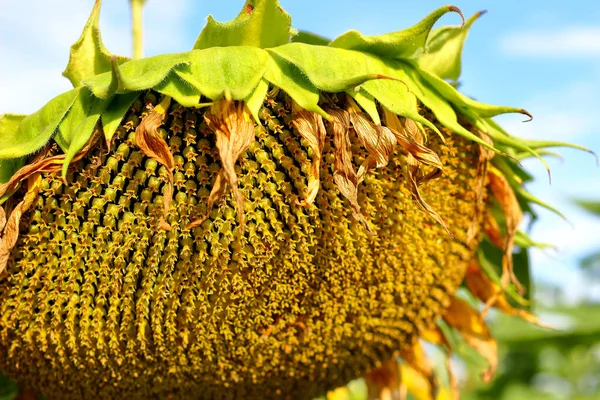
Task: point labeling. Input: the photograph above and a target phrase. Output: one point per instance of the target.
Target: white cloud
(575, 41)
(33, 53)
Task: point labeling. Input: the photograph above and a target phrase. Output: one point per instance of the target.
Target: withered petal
(9, 231)
(502, 191)
(415, 357)
(475, 332)
(310, 126)
(490, 293)
(151, 143)
(385, 382)
(344, 175)
(234, 130)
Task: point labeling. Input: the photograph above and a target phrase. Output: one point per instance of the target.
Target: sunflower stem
(137, 27)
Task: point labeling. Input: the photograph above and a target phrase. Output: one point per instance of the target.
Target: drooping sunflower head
(269, 215)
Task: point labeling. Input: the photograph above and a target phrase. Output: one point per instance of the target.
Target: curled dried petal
(385, 382)
(492, 294)
(149, 140)
(413, 187)
(344, 175)
(43, 164)
(233, 127)
(436, 336)
(310, 126)
(379, 140)
(485, 155)
(500, 188)
(415, 357)
(492, 230)
(475, 332)
(409, 136)
(2, 218)
(9, 228)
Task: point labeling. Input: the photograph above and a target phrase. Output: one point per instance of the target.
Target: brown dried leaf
(415, 357)
(475, 332)
(10, 232)
(502, 191)
(344, 175)
(385, 383)
(492, 294)
(151, 143)
(310, 126)
(232, 124)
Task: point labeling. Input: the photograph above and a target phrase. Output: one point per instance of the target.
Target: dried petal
(492, 294)
(436, 336)
(2, 218)
(9, 229)
(409, 136)
(344, 175)
(385, 383)
(415, 383)
(40, 164)
(232, 124)
(513, 215)
(154, 146)
(378, 140)
(492, 230)
(310, 126)
(475, 332)
(415, 357)
(413, 186)
(485, 155)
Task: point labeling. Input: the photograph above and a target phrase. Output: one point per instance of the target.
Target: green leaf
(327, 67)
(36, 129)
(261, 23)
(310, 38)
(398, 96)
(444, 50)
(290, 79)
(8, 389)
(9, 167)
(88, 56)
(523, 240)
(115, 112)
(442, 110)
(136, 75)
(217, 70)
(402, 44)
(77, 127)
(181, 91)
(590, 206)
(465, 103)
(9, 126)
(256, 99)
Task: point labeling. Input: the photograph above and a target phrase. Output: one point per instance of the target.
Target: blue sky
(543, 56)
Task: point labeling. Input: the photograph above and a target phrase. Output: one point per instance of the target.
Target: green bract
(239, 58)
(386, 90)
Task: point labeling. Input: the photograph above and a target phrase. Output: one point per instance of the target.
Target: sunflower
(268, 215)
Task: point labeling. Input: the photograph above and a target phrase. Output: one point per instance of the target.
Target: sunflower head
(268, 215)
